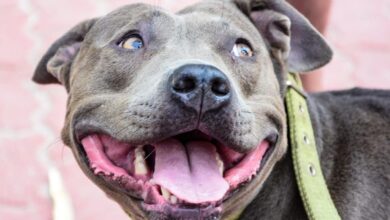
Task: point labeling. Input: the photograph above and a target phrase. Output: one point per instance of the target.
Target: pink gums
(247, 167)
(189, 171)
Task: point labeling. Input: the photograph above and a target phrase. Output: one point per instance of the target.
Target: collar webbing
(311, 183)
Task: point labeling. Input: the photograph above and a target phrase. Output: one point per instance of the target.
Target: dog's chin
(187, 176)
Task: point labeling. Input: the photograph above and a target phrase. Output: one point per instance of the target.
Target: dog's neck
(279, 198)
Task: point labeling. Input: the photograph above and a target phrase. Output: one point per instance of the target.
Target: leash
(311, 183)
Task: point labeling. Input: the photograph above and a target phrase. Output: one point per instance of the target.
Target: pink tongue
(189, 172)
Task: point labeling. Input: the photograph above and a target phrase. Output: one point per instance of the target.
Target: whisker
(150, 154)
(120, 131)
(53, 143)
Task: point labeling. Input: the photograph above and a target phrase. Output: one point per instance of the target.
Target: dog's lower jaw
(231, 209)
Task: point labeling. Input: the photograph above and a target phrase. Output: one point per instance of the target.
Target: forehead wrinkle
(218, 26)
(140, 17)
(223, 10)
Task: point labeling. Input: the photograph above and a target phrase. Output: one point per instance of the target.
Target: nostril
(184, 84)
(220, 87)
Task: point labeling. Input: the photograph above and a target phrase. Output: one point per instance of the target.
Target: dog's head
(181, 116)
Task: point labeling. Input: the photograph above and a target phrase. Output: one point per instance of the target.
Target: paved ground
(31, 116)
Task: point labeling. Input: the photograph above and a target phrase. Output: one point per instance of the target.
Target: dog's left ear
(55, 65)
(288, 33)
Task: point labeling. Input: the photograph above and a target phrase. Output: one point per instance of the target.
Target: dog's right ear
(55, 65)
(288, 33)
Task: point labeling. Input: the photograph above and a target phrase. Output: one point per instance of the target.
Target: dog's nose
(200, 86)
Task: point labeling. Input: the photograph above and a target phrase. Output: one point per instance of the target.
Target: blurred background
(31, 116)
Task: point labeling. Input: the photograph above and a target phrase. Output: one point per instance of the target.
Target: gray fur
(124, 94)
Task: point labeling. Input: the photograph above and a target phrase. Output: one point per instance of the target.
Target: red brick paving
(31, 116)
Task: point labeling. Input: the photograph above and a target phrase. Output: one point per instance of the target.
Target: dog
(182, 116)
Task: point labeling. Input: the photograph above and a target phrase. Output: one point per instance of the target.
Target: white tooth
(220, 163)
(173, 199)
(165, 193)
(140, 166)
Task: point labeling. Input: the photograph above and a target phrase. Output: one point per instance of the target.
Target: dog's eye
(132, 43)
(242, 50)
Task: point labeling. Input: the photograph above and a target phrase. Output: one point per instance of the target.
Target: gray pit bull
(181, 116)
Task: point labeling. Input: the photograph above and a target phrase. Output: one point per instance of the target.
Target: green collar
(311, 183)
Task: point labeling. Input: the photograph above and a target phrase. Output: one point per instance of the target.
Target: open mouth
(187, 170)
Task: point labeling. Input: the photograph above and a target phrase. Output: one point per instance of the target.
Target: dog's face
(181, 116)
